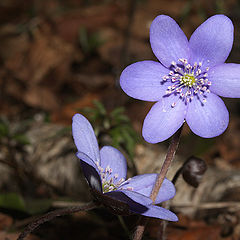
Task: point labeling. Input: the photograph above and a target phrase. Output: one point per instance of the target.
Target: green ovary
(108, 187)
(188, 80)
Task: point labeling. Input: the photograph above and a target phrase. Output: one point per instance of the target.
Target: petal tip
(175, 218)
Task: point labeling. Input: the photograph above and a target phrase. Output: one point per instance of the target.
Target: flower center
(110, 181)
(108, 186)
(187, 81)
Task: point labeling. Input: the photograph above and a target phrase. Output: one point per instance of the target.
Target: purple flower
(187, 80)
(105, 172)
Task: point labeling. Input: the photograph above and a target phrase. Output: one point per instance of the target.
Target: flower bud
(193, 171)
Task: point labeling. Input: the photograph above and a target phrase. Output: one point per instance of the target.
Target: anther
(187, 78)
(173, 105)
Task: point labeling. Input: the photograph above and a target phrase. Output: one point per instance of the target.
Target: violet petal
(90, 171)
(163, 120)
(114, 159)
(212, 41)
(159, 212)
(144, 183)
(136, 197)
(208, 119)
(225, 80)
(168, 41)
(143, 80)
(84, 137)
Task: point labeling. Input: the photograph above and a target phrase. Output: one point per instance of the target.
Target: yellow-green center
(188, 80)
(107, 187)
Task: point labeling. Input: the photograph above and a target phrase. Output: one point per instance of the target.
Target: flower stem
(167, 162)
(140, 228)
(169, 157)
(51, 215)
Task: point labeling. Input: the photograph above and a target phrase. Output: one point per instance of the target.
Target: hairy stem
(53, 214)
(166, 164)
(169, 157)
(140, 228)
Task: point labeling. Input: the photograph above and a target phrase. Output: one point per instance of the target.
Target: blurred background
(60, 57)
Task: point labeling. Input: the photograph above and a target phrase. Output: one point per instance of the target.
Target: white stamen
(187, 78)
(173, 105)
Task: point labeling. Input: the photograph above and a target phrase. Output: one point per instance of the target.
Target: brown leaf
(195, 233)
(187, 229)
(90, 82)
(5, 221)
(42, 97)
(92, 18)
(44, 54)
(112, 47)
(65, 114)
(13, 236)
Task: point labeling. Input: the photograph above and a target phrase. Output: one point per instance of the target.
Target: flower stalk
(166, 164)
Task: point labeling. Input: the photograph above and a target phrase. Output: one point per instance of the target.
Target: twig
(53, 214)
(169, 157)
(62, 204)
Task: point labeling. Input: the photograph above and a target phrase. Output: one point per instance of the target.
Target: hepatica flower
(187, 81)
(105, 172)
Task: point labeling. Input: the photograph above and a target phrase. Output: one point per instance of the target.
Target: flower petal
(225, 80)
(113, 158)
(159, 212)
(212, 41)
(84, 137)
(137, 203)
(143, 184)
(163, 120)
(142, 80)
(90, 171)
(168, 41)
(141, 204)
(209, 119)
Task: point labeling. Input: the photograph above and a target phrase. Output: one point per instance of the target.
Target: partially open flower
(187, 81)
(106, 172)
